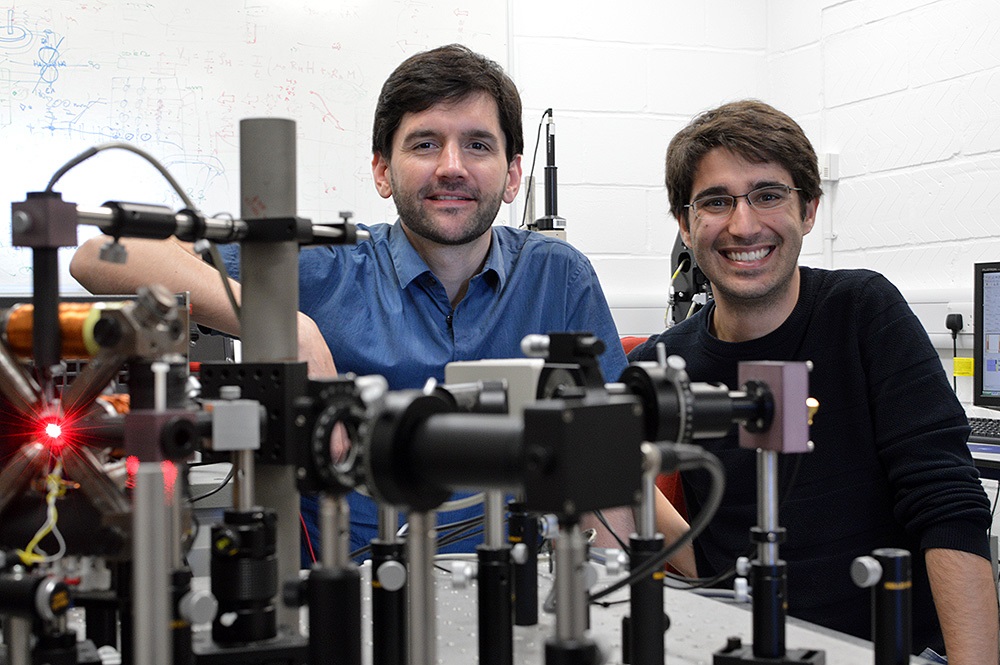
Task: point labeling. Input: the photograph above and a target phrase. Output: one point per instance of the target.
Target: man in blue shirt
(441, 284)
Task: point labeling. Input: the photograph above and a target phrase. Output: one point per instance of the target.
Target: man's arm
(168, 262)
(175, 265)
(672, 525)
(966, 601)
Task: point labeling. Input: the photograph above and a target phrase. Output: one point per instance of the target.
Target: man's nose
(451, 162)
(744, 220)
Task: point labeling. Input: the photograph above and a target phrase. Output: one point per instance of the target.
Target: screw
(20, 222)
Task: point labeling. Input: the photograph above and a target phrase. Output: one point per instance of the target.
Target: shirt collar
(409, 265)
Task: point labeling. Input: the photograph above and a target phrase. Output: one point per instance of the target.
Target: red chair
(669, 483)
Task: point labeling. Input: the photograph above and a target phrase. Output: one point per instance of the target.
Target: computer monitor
(986, 348)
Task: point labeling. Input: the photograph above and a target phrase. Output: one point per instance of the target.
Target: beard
(418, 219)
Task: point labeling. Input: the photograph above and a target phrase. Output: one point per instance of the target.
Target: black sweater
(890, 469)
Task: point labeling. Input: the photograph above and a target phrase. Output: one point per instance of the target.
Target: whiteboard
(175, 77)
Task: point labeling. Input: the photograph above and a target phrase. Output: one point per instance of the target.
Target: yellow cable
(666, 313)
(56, 488)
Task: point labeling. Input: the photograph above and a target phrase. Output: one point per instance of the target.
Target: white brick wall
(906, 92)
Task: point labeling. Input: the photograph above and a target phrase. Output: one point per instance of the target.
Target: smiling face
(751, 258)
(448, 171)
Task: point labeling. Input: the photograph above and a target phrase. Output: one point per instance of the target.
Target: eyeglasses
(719, 207)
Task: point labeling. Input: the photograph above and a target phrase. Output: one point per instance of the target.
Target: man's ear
(685, 229)
(380, 172)
(810, 217)
(513, 180)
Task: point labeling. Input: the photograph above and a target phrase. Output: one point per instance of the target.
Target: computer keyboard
(985, 430)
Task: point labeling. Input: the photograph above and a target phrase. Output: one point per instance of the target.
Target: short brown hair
(446, 74)
(751, 129)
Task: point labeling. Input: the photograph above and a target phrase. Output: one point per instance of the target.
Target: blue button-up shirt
(382, 311)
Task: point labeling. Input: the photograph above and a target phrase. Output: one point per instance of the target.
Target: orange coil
(75, 324)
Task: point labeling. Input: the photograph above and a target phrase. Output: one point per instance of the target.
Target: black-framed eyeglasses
(763, 199)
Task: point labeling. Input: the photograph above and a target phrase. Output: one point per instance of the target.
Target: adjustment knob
(461, 573)
(548, 526)
(741, 590)
(613, 560)
(866, 571)
(198, 606)
(391, 575)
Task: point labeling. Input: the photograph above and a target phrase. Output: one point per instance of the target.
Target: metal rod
(268, 315)
(523, 534)
(767, 503)
(892, 603)
(92, 380)
(159, 370)
(646, 619)
(150, 589)
(571, 595)
(20, 389)
(422, 643)
(243, 481)
(388, 524)
(335, 530)
(493, 510)
(530, 202)
(19, 470)
(47, 334)
(174, 514)
(496, 615)
(647, 507)
(768, 574)
(17, 637)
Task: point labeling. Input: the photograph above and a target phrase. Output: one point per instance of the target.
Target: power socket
(965, 309)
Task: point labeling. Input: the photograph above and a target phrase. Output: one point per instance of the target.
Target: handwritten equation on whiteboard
(175, 77)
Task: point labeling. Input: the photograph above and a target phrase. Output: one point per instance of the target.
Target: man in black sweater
(890, 466)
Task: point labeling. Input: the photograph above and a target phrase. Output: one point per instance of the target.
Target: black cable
(611, 603)
(690, 457)
(188, 203)
(194, 535)
(467, 522)
(953, 322)
(534, 158)
(603, 520)
(118, 145)
(460, 523)
(229, 477)
(706, 582)
(220, 266)
(458, 531)
(691, 583)
(460, 535)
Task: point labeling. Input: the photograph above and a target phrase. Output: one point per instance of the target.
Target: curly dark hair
(446, 74)
(751, 129)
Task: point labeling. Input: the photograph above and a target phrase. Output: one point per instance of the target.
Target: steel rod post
(268, 311)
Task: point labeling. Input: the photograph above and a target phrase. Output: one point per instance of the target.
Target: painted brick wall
(906, 92)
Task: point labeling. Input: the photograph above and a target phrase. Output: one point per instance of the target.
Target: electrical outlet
(965, 309)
